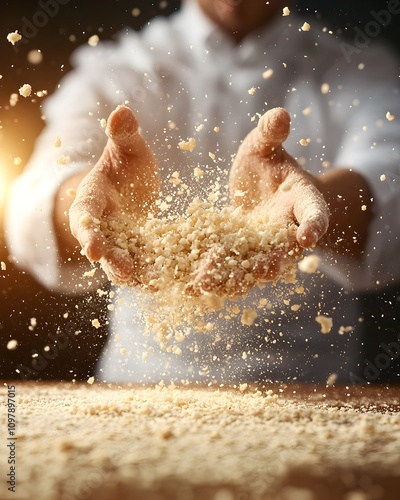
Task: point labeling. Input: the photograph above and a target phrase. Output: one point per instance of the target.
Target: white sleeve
(72, 113)
(371, 146)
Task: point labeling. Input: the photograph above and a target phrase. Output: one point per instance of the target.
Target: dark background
(74, 354)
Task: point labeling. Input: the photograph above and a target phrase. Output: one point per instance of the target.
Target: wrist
(349, 199)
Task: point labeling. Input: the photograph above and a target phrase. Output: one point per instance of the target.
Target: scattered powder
(14, 37)
(200, 127)
(63, 160)
(363, 208)
(35, 56)
(71, 192)
(3, 266)
(96, 323)
(389, 116)
(285, 11)
(268, 73)
(252, 91)
(198, 172)
(216, 129)
(305, 142)
(325, 322)
(248, 316)
(57, 142)
(188, 145)
(103, 123)
(331, 380)
(307, 111)
(345, 329)
(12, 344)
(190, 265)
(90, 380)
(382, 177)
(325, 88)
(306, 27)
(89, 274)
(309, 264)
(93, 40)
(17, 161)
(13, 99)
(25, 90)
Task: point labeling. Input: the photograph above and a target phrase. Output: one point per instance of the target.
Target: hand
(266, 180)
(269, 184)
(124, 180)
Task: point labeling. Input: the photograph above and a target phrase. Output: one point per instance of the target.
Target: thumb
(122, 126)
(124, 139)
(128, 159)
(272, 130)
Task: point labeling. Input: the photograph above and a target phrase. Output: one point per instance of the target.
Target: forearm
(349, 198)
(68, 246)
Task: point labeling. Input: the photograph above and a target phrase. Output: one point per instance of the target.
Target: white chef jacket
(179, 73)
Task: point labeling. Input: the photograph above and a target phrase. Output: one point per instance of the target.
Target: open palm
(273, 189)
(124, 180)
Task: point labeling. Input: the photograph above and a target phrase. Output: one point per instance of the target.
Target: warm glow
(2, 185)
(5, 181)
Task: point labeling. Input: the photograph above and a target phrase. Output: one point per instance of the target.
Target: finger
(119, 266)
(122, 128)
(272, 130)
(94, 244)
(207, 277)
(86, 230)
(85, 214)
(312, 214)
(267, 267)
(124, 141)
(254, 170)
(217, 277)
(129, 161)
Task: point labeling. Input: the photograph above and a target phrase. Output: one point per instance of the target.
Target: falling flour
(189, 265)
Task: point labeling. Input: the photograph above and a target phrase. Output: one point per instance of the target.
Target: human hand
(267, 181)
(273, 189)
(124, 180)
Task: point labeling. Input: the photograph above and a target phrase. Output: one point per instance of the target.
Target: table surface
(283, 442)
